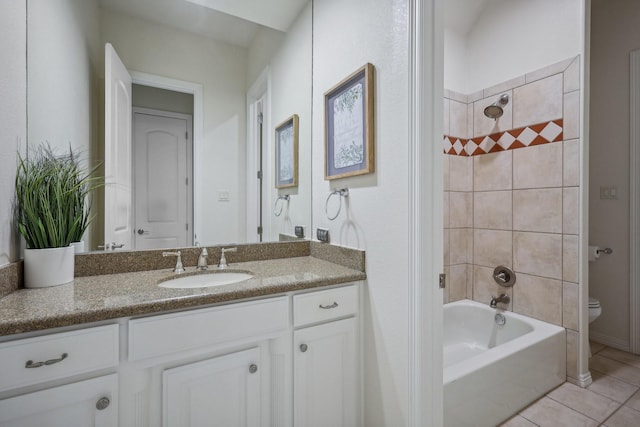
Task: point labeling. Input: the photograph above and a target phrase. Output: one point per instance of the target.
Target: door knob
(141, 231)
(102, 403)
(253, 368)
(303, 347)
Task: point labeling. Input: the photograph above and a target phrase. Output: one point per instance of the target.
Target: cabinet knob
(102, 403)
(253, 368)
(303, 347)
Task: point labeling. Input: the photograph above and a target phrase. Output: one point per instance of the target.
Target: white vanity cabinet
(33, 369)
(326, 369)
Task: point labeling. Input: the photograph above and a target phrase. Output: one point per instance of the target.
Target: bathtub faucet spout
(503, 298)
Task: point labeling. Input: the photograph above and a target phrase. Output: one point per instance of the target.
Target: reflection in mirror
(208, 89)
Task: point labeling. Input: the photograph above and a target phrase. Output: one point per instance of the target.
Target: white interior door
(118, 227)
(161, 179)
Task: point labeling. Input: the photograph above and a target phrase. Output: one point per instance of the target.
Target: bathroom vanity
(281, 349)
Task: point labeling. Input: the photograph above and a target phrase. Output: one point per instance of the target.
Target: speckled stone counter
(95, 298)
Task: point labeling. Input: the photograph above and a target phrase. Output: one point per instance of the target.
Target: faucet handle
(178, 268)
(202, 259)
(223, 260)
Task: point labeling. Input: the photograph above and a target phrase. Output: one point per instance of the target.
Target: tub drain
(500, 319)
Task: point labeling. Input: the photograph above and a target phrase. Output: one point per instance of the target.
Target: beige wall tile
(475, 96)
(539, 166)
(538, 253)
(538, 102)
(446, 114)
(445, 209)
(538, 210)
(458, 282)
(460, 173)
(538, 297)
(549, 70)
(570, 209)
(492, 248)
(445, 172)
(460, 243)
(447, 248)
(570, 302)
(548, 412)
(461, 209)
(572, 354)
(493, 171)
(470, 120)
(456, 96)
(571, 163)
(570, 258)
(458, 119)
(503, 87)
(482, 125)
(572, 76)
(571, 115)
(493, 209)
(485, 287)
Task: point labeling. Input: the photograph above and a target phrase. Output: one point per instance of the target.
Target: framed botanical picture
(287, 153)
(348, 127)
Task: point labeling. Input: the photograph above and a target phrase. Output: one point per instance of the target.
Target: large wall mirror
(210, 80)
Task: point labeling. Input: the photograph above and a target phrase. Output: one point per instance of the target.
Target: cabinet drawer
(324, 305)
(57, 356)
(171, 333)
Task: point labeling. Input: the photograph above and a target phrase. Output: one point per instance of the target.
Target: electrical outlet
(323, 235)
(223, 196)
(299, 231)
(609, 193)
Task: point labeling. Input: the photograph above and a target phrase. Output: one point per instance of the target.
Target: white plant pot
(48, 267)
(79, 246)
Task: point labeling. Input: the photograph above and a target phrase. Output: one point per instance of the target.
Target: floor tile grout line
(620, 361)
(581, 413)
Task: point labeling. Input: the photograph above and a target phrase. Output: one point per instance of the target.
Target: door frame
(189, 169)
(260, 90)
(634, 202)
(197, 90)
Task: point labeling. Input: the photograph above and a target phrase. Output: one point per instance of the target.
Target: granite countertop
(95, 298)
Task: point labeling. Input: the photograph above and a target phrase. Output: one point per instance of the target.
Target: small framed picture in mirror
(287, 153)
(349, 127)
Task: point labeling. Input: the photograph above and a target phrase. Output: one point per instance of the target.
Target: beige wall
(614, 34)
(519, 206)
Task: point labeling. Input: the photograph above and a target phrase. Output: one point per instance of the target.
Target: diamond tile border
(528, 136)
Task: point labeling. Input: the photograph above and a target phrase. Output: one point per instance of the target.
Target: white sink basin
(205, 280)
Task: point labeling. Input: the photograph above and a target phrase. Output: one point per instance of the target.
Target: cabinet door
(81, 404)
(326, 375)
(222, 391)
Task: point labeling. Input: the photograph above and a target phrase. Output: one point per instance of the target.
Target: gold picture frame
(286, 145)
(349, 126)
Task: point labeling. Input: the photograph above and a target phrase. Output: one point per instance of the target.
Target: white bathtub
(492, 371)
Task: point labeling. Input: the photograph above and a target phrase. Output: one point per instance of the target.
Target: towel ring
(276, 211)
(343, 192)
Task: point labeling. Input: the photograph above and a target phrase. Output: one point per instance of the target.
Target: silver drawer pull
(328, 307)
(32, 364)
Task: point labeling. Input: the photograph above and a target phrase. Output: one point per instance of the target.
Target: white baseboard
(584, 381)
(610, 341)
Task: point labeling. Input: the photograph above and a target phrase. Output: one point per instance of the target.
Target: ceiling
(461, 15)
(231, 21)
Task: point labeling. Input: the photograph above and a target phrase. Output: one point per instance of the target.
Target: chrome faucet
(503, 298)
(178, 268)
(202, 260)
(223, 261)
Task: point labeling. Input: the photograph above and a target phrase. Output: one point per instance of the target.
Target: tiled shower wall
(512, 196)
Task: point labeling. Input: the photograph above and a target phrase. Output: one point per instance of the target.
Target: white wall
(499, 45)
(63, 57)
(614, 34)
(264, 45)
(221, 69)
(13, 114)
(375, 217)
(290, 70)
(455, 71)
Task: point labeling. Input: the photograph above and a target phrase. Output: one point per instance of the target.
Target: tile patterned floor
(612, 400)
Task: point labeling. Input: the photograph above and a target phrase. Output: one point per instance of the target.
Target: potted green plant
(51, 213)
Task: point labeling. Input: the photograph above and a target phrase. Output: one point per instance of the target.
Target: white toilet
(595, 310)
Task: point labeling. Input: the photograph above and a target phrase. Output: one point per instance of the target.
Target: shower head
(495, 110)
